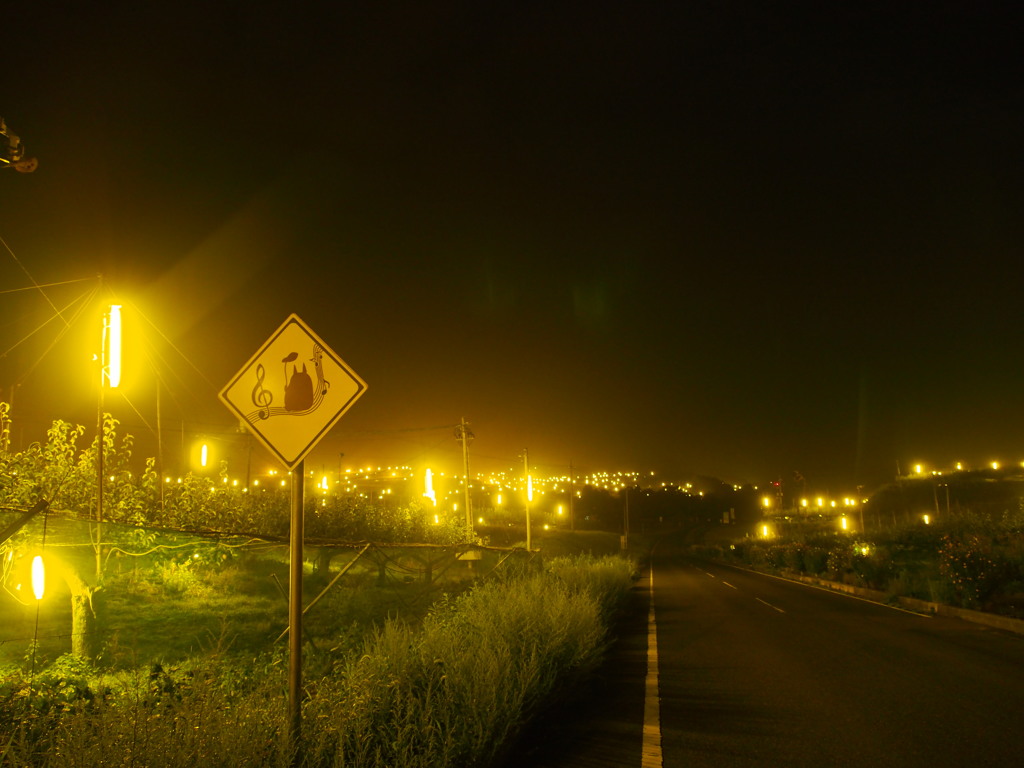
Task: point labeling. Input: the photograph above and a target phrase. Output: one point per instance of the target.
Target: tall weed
(446, 693)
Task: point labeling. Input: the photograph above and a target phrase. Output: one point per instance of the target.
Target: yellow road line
(650, 754)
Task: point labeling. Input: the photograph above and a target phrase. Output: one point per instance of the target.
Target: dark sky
(730, 238)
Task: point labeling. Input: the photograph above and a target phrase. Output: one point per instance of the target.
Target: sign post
(295, 562)
(289, 395)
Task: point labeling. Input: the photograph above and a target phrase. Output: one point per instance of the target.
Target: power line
(47, 285)
(37, 285)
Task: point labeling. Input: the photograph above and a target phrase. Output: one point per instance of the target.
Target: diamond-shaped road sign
(292, 391)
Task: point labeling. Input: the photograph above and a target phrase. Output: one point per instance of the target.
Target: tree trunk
(324, 555)
(84, 626)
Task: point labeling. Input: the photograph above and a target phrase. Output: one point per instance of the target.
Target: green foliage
(355, 520)
(448, 693)
(966, 562)
(65, 474)
(605, 579)
(970, 560)
(452, 692)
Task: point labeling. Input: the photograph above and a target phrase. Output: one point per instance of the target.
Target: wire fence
(128, 596)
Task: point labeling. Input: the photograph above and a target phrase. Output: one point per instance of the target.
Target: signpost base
(295, 563)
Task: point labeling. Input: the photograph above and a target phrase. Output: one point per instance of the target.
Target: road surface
(757, 671)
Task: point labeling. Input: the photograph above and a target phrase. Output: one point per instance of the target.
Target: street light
(112, 343)
(38, 577)
(428, 487)
(110, 375)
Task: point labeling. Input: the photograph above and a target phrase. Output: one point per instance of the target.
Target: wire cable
(37, 285)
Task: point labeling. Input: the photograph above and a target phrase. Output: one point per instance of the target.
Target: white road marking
(843, 594)
(728, 584)
(769, 605)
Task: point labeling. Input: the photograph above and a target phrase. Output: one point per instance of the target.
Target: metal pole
(462, 432)
(295, 561)
(625, 520)
(572, 497)
(99, 425)
(526, 475)
(99, 454)
(159, 445)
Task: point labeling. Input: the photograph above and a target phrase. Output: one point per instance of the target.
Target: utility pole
(860, 506)
(529, 497)
(463, 434)
(625, 520)
(572, 497)
(159, 445)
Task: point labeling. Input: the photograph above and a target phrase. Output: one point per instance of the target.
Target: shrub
(452, 693)
(448, 693)
(966, 563)
(815, 560)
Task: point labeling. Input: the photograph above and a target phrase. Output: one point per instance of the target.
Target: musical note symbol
(261, 397)
(318, 353)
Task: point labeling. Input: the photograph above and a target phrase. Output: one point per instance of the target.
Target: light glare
(38, 577)
(114, 350)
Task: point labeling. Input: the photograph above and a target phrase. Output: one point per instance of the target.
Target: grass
(444, 691)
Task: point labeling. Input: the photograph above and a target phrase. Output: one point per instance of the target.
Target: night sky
(736, 239)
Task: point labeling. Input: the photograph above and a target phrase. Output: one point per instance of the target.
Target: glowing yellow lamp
(114, 346)
(38, 577)
(428, 486)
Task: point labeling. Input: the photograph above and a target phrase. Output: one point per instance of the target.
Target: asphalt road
(756, 671)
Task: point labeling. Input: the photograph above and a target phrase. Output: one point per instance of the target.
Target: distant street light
(529, 497)
(428, 487)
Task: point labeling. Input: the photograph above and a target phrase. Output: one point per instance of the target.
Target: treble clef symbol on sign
(261, 397)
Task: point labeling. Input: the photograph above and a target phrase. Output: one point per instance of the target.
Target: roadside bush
(793, 557)
(815, 560)
(446, 694)
(453, 692)
(966, 562)
(873, 565)
(605, 579)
